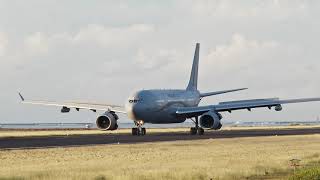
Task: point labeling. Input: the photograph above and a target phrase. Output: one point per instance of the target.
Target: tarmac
(8, 143)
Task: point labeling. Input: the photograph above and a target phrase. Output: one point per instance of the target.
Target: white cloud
(272, 9)
(259, 64)
(94, 34)
(37, 43)
(155, 59)
(3, 43)
(241, 52)
(113, 36)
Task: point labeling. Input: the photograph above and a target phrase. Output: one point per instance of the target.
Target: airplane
(171, 106)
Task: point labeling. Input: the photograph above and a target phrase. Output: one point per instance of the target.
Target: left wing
(237, 105)
(77, 105)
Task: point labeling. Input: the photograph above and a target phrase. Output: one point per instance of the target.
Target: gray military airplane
(171, 106)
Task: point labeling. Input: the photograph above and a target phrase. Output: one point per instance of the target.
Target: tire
(193, 131)
(134, 131)
(200, 131)
(143, 131)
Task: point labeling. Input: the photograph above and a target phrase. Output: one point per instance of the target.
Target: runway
(8, 143)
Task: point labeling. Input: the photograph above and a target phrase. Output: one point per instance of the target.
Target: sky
(102, 51)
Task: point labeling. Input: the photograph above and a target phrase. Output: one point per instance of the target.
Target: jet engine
(65, 109)
(278, 107)
(211, 120)
(107, 121)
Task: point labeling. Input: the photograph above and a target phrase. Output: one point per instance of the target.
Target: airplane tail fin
(193, 82)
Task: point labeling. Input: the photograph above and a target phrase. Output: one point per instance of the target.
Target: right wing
(238, 105)
(77, 105)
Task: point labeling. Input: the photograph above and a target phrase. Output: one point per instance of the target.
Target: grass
(307, 174)
(311, 171)
(234, 158)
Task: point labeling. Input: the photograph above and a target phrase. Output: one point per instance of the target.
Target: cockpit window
(133, 100)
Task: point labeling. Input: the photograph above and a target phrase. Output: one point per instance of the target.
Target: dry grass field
(233, 158)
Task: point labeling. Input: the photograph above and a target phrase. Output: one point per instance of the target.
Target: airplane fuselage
(158, 106)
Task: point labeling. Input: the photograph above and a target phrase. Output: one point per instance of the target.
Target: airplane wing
(238, 105)
(77, 105)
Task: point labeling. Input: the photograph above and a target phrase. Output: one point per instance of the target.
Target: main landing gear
(139, 130)
(196, 130)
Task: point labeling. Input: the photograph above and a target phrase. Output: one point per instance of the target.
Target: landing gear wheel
(196, 130)
(200, 131)
(134, 131)
(138, 131)
(193, 131)
(143, 131)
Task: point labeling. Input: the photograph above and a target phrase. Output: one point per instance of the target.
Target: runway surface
(104, 139)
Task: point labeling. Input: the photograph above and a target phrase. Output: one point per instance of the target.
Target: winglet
(22, 98)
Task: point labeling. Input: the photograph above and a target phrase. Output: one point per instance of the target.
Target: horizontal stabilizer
(220, 92)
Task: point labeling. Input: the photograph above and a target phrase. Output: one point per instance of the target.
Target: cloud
(241, 52)
(103, 36)
(113, 36)
(37, 43)
(155, 59)
(3, 43)
(72, 60)
(273, 9)
(259, 64)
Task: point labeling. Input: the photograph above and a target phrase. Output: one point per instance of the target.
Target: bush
(307, 174)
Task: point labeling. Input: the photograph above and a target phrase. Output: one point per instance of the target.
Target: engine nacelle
(211, 120)
(65, 109)
(278, 107)
(107, 121)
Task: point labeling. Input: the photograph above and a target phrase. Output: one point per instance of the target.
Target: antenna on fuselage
(193, 82)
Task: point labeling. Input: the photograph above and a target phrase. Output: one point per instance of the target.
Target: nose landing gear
(196, 130)
(139, 131)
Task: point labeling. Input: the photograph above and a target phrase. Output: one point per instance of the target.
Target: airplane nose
(133, 111)
(129, 110)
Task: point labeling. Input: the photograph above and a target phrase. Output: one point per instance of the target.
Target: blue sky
(101, 51)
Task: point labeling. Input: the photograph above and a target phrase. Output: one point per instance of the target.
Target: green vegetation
(307, 174)
(234, 158)
(311, 171)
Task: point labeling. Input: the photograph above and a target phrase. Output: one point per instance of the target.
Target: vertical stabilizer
(193, 82)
